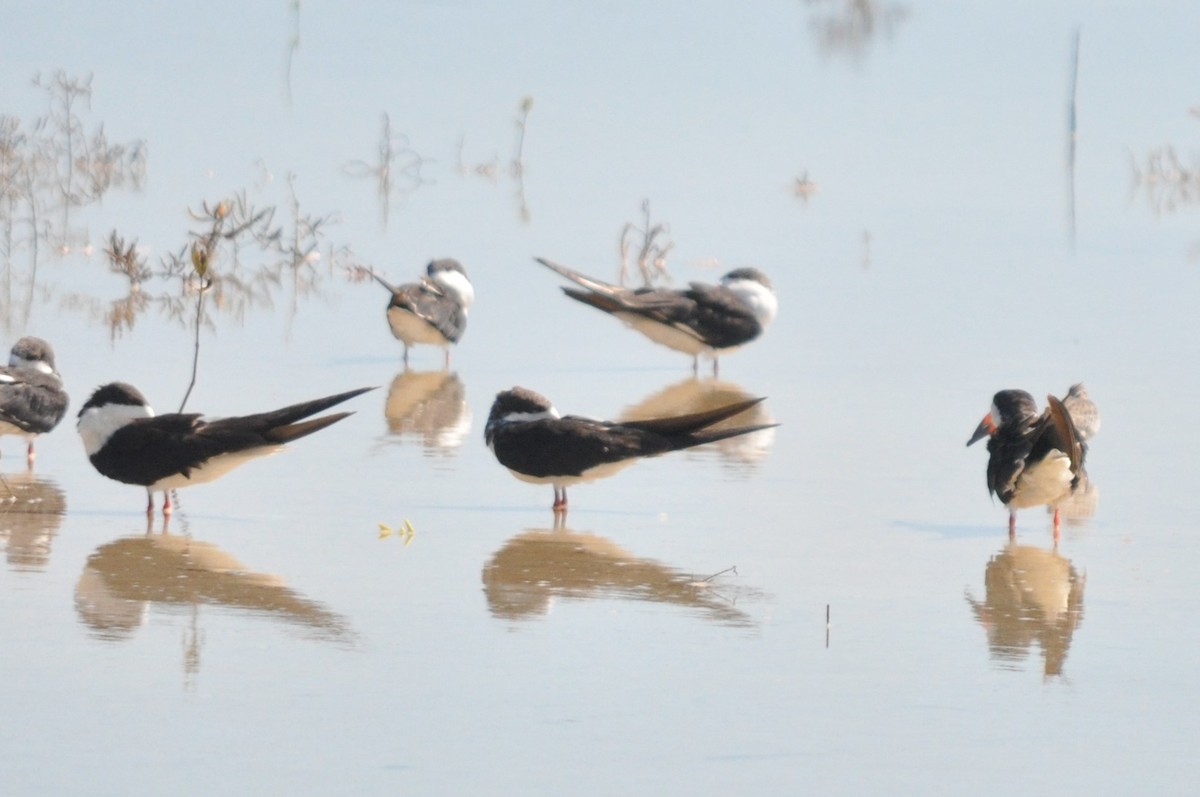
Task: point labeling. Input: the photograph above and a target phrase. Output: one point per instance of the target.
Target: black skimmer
(32, 399)
(1083, 411)
(702, 319)
(537, 445)
(432, 311)
(127, 442)
(1033, 459)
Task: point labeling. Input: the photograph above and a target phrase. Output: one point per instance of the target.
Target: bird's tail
(384, 282)
(601, 301)
(294, 431)
(579, 279)
(713, 435)
(282, 425)
(697, 421)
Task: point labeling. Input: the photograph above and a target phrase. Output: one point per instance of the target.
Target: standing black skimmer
(433, 310)
(539, 446)
(1034, 459)
(702, 319)
(127, 442)
(32, 399)
(1084, 413)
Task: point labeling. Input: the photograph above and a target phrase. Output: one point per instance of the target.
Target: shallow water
(382, 608)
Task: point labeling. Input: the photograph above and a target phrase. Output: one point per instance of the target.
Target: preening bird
(32, 398)
(432, 311)
(1033, 458)
(538, 445)
(700, 320)
(127, 442)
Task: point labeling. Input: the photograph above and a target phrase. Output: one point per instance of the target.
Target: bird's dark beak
(986, 427)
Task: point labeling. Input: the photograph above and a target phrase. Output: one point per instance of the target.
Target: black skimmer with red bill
(1034, 459)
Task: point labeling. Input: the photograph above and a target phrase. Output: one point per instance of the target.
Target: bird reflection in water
(694, 395)
(1033, 595)
(533, 569)
(429, 407)
(126, 578)
(31, 510)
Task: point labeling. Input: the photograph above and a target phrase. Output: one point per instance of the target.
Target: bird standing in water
(537, 445)
(702, 319)
(127, 442)
(1084, 412)
(1034, 458)
(32, 398)
(432, 311)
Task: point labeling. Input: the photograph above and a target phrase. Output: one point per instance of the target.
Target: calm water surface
(383, 609)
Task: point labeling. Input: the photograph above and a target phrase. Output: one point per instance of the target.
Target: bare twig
(652, 255)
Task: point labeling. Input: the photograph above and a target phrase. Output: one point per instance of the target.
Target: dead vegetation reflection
(1033, 596)
(396, 168)
(239, 256)
(293, 46)
(849, 27)
(493, 169)
(55, 167)
(32, 509)
(50, 169)
(652, 249)
(125, 580)
(535, 568)
(1167, 181)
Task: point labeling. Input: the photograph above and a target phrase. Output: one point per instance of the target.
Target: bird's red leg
(1057, 525)
(167, 503)
(30, 456)
(560, 499)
